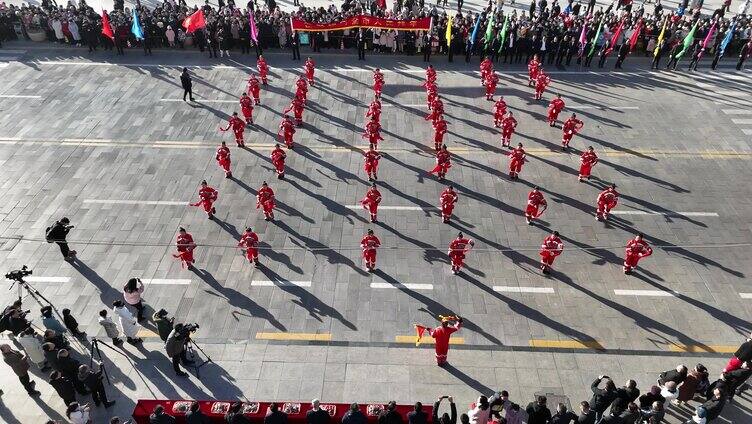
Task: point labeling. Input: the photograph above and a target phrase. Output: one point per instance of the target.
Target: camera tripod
(95, 342)
(189, 347)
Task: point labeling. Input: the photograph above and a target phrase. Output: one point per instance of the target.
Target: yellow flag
(449, 32)
(660, 38)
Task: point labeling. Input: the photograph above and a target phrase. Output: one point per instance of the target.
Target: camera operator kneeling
(176, 344)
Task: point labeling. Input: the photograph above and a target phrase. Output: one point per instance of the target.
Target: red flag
(419, 330)
(106, 27)
(635, 36)
(615, 37)
(194, 22)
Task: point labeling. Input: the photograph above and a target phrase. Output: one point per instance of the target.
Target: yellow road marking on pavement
(703, 348)
(427, 340)
(145, 332)
(323, 337)
(566, 344)
(211, 145)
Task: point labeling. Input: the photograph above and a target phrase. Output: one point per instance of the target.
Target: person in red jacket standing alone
(369, 243)
(637, 248)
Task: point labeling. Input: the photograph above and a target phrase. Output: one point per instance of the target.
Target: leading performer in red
(263, 69)
(310, 68)
(637, 248)
(441, 335)
(185, 245)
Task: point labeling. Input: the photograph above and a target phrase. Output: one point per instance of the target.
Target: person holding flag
(594, 44)
(503, 39)
(489, 39)
(721, 49)
(254, 33)
(138, 32)
(107, 28)
(686, 44)
(441, 334)
(448, 36)
(471, 40)
(660, 46)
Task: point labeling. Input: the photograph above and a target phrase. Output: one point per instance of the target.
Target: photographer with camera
(57, 234)
(176, 345)
(164, 324)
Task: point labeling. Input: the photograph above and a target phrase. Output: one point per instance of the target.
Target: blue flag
(475, 30)
(136, 29)
(727, 38)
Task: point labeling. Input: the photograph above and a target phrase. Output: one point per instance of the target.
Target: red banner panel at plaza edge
(255, 411)
(363, 21)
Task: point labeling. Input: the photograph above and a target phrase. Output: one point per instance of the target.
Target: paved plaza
(109, 143)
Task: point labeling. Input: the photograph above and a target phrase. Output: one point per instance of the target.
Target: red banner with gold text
(363, 21)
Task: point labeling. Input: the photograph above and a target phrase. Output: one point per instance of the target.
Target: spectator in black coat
(390, 414)
(354, 416)
(159, 416)
(275, 416)
(538, 412)
(676, 375)
(235, 415)
(63, 386)
(587, 415)
(624, 395)
(316, 415)
(417, 416)
(195, 416)
(187, 83)
(563, 416)
(602, 398)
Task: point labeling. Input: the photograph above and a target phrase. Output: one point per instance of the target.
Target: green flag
(503, 34)
(489, 30)
(595, 39)
(688, 40)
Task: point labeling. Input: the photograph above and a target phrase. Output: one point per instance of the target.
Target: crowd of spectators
(551, 30)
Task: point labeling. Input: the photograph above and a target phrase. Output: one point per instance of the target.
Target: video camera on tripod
(19, 274)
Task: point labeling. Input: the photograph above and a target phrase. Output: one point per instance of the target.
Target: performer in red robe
(373, 133)
(551, 248)
(369, 243)
(371, 163)
(508, 124)
(223, 159)
(607, 200)
(246, 106)
(516, 160)
(448, 199)
(378, 82)
(185, 246)
(286, 131)
(541, 82)
(439, 129)
(535, 200)
(309, 67)
(532, 70)
(265, 200)
(554, 108)
(255, 89)
(500, 109)
(588, 159)
(637, 248)
(486, 67)
(238, 128)
(443, 163)
(492, 80)
(278, 160)
(249, 242)
(458, 249)
(207, 196)
(371, 200)
(302, 89)
(571, 127)
(296, 106)
(263, 69)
